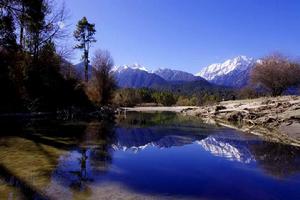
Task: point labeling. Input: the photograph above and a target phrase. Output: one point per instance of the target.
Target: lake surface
(142, 156)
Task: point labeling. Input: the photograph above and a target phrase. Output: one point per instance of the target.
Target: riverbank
(274, 118)
(277, 119)
(177, 109)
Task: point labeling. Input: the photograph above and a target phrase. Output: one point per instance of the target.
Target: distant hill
(79, 68)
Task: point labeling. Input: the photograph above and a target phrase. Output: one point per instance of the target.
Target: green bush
(164, 98)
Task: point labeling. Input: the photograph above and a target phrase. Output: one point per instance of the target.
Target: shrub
(100, 88)
(126, 97)
(276, 73)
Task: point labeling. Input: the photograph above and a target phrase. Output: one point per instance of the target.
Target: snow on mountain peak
(219, 69)
(135, 66)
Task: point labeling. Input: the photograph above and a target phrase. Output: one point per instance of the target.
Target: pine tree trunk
(86, 66)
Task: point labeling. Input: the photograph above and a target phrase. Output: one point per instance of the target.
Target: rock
(269, 119)
(220, 107)
(278, 105)
(251, 116)
(235, 116)
(297, 117)
(292, 130)
(237, 105)
(286, 105)
(266, 102)
(295, 108)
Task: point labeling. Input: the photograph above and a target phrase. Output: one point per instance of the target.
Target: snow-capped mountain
(221, 69)
(119, 69)
(233, 72)
(176, 75)
(136, 76)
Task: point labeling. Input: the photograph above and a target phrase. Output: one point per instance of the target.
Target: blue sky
(189, 34)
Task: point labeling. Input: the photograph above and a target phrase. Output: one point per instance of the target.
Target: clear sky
(190, 34)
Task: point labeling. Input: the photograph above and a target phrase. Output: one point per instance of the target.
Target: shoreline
(177, 109)
(273, 118)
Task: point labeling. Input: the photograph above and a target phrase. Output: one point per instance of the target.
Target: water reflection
(143, 156)
(278, 160)
(231, 150)
(137, 139)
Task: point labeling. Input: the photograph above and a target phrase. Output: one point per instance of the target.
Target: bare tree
(101, 86)
(38, 21)
(55, 27)
(276, 73)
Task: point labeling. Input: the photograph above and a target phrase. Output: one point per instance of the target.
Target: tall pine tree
(84, 34)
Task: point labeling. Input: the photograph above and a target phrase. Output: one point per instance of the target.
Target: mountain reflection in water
(158, 155)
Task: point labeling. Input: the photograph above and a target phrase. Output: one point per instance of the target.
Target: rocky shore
(276, 119)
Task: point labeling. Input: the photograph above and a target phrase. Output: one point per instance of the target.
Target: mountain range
(136, 76)
(176, 75)
(233, 73)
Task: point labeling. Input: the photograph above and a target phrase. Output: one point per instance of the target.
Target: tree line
(144, 96)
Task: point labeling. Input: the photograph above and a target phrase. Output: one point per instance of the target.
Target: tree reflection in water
(278, 160)
(82, 173)
(93, 155)
(99, 137)
(44, 143)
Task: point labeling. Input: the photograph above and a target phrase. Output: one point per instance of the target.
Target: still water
(142, 156)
